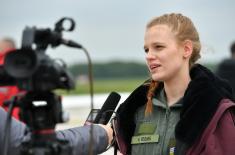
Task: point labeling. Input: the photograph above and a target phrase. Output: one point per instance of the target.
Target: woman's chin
(157, 78)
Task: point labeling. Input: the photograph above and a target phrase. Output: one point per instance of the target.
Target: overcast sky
(114, 29)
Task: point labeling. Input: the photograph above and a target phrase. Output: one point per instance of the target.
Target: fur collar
(200, 101)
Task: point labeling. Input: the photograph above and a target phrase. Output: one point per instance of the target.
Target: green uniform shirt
(154, 135)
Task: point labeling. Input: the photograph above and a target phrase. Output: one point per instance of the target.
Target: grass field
(106, 86)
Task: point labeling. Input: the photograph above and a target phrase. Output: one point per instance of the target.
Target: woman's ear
(188, 48)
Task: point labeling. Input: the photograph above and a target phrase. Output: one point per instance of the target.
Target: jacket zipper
(167, 114)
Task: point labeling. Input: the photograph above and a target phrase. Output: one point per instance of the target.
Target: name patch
(144, 139)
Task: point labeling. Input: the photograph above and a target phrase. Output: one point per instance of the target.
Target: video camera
(31, 70)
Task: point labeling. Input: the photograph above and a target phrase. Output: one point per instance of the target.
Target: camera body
(33, 70)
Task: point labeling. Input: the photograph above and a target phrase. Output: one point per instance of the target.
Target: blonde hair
(184, 29)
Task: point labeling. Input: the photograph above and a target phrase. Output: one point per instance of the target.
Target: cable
(91, 89)
(90, 75)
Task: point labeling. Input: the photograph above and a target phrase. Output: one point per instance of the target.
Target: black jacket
(200, 102)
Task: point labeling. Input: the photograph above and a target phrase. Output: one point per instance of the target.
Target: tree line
(116, 70)
(111, 70)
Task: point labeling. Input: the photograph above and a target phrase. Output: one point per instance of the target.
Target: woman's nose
(150, 55)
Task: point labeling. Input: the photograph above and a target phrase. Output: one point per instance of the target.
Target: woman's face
(164, 56)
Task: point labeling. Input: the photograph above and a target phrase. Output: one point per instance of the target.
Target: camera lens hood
(21, 63)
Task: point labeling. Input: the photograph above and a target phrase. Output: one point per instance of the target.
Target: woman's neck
(175, 88)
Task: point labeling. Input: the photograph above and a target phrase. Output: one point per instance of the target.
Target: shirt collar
(160, 100)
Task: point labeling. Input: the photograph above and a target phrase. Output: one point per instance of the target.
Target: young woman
(181, 108)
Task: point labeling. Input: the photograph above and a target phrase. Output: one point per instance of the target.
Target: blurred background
(112, 31)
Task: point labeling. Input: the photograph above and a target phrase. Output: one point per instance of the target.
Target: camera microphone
(103, 115)
(70, 43)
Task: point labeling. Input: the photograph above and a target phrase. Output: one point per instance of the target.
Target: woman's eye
(146, 50)
(158, 47)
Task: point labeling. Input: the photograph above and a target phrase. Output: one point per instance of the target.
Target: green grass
(106, 86)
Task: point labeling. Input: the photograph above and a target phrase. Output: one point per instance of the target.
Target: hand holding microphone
(103, 115)
(109, 131)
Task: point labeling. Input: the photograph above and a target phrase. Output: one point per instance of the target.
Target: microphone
(108, 108)
(70, 43)
(104, 114)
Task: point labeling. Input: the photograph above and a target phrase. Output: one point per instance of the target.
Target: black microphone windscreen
(108, 108)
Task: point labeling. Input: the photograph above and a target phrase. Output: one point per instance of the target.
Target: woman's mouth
(154, 66)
